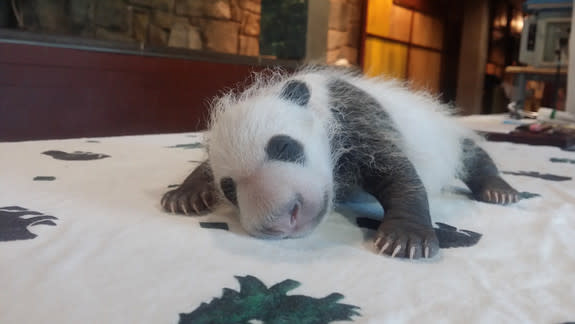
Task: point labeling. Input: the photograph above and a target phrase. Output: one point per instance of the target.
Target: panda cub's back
(430, 136)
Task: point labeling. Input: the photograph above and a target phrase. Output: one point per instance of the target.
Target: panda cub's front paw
(403, 238)
(188, 201)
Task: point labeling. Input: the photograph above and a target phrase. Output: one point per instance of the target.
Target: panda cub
(290, 145)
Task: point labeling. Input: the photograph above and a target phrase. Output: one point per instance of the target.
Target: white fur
(240, 128)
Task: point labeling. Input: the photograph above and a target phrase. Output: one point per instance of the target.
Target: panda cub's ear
(296, 91)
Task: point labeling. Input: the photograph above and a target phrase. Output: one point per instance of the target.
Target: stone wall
(343, 39)
(226, 26)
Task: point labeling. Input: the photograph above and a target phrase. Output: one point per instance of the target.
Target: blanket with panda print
(83, 240)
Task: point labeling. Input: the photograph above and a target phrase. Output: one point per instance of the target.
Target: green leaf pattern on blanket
(535, 174)
(271, 305)
(44, 178)
(215, 225)
(559, 160)
(75, 156)
(196, 145)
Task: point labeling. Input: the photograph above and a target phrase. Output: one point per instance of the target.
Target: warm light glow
(517, 24)
(500, 21)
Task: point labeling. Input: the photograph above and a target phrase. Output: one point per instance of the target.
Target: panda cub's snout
(283, 223)
(270, 217)
(298, 219)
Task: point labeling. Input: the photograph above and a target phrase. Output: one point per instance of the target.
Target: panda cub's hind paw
(403, 238)
(496, 191)
(500, 197)
(188, 201)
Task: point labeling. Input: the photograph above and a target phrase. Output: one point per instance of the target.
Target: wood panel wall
(53, 93)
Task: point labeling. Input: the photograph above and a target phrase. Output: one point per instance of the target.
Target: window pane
(385, 58)
(388, 20)
(275, 39)
(425, 69)
(427, 31)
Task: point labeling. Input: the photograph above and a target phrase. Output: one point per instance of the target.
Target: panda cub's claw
(499, 197)
(188, 201)
(495, 190)
(405, 239)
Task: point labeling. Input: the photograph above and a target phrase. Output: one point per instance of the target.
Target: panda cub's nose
(294, 213)
(286, 220)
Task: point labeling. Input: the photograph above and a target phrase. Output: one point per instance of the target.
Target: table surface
(500, 127)
(494, 123)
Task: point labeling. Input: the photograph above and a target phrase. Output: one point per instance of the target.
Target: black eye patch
(286, 149)
(229, 189)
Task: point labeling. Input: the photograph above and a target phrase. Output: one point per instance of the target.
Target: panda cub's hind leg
(482, 177)
(195, 196)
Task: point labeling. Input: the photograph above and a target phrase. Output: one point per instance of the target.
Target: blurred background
(482, 55)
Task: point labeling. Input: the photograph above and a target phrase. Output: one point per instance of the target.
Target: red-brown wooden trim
(50, 93)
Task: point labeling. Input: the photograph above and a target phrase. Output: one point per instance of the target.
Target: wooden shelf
(533, 70)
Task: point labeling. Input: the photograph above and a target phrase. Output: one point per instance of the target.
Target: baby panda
(284, 150)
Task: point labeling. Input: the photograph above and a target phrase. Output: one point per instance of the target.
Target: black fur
(296, 92)
(478, 165)
(482, 177)
(228, 187)
(197, 192)
(323, 211)
(389, 176)
(286, 149)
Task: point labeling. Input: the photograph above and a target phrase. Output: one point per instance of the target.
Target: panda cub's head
(269, 152)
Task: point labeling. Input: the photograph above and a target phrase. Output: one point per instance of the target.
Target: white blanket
(109, 254)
